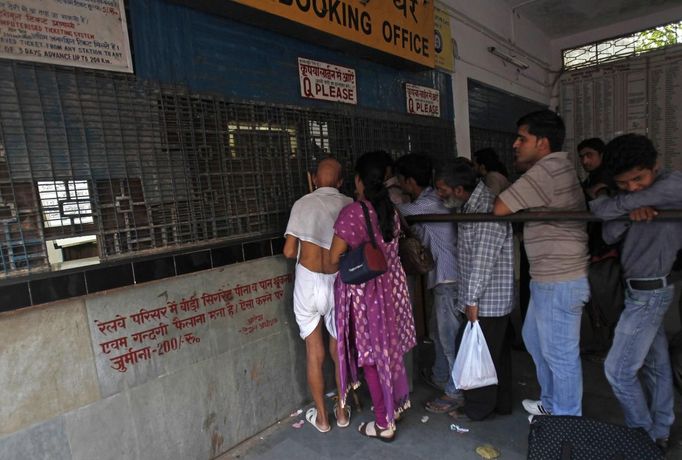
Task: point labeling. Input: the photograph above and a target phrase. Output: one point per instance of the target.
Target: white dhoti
(314, 299)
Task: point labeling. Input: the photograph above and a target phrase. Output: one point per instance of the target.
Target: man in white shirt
(309, 236)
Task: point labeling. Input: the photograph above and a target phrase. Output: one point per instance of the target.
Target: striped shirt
(557, 251)
(485, 252)
(439, 237)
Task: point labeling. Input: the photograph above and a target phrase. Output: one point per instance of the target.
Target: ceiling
(558, 18)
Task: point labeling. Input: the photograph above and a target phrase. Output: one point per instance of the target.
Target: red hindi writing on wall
(157, 337)
(257, 322)
(120, 363)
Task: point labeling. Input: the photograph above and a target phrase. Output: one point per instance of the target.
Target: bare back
(313, 256)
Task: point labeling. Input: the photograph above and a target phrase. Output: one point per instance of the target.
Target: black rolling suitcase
(580, 438)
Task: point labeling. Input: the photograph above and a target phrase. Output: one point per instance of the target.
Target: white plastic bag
(473, 367)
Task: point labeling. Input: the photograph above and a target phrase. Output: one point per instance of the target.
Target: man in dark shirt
(591, 155)
(604, 272)
(648, 251)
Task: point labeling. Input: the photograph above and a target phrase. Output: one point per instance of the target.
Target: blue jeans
(640, 343)
(551, 333)
(439, 371)
(447, 327)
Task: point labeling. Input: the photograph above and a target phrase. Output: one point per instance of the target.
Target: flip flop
(442, 405)
(459, 415)
(377, 433)
(346, 409)
(311, 417)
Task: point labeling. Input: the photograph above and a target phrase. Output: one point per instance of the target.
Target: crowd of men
(473, 278)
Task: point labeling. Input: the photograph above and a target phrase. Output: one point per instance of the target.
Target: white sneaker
(530, 418)
(534, 407)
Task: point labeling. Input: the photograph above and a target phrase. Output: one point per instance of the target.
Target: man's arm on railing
(501, 209)
(537, 216)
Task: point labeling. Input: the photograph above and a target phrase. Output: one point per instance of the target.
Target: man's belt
(648, 284)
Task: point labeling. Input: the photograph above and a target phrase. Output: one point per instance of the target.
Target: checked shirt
(485, 256)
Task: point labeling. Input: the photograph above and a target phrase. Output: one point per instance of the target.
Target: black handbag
(365, 262)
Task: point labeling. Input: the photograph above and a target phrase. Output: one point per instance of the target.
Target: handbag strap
(404, 226)
(368, 223)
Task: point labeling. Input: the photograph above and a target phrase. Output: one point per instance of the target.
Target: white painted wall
(483, 23)
(476, 25)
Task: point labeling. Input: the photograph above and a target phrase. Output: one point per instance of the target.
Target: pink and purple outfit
(374, 321)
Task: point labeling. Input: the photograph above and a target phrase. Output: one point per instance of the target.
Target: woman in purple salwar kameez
(374, 320)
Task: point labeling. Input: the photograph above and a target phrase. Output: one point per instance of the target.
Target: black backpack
(564, 437)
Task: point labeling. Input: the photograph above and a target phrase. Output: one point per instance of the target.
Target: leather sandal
(443, 405)
(371, 430)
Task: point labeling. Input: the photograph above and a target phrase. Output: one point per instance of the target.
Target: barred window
(622, 47)
(319, 133)
(146, 168)
(65, 202)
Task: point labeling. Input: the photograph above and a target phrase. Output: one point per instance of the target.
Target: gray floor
(434, 439)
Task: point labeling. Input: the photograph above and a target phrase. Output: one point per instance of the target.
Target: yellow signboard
(402, 28)
(442, 43)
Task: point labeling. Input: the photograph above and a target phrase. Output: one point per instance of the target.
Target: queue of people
(371, 325)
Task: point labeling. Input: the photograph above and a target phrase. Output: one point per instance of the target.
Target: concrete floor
(434, 439)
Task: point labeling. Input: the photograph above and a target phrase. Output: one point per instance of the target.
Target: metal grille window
(319, 132)
(492, 115)
(65, 202)
(145, 167)
(622, 47)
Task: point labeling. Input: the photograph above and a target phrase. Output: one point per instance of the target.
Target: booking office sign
(402, 28)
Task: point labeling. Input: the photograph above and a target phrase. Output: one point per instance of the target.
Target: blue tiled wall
(176, 44)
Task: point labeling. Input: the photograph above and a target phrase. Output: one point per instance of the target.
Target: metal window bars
(147, 167)
(613, 49)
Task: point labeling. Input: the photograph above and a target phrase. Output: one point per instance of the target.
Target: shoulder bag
(415, 257)
(365, 262)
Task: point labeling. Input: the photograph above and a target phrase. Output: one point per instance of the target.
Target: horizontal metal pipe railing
(525, 216)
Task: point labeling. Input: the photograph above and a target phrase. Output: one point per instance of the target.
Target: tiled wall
(50, 287)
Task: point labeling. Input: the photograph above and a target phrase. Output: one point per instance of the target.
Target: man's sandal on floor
(371, 430)
(443, 405)
(458, 415)
(346, 409)
(311, 417)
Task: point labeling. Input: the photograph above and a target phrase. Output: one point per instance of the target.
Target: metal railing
(527, 216)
